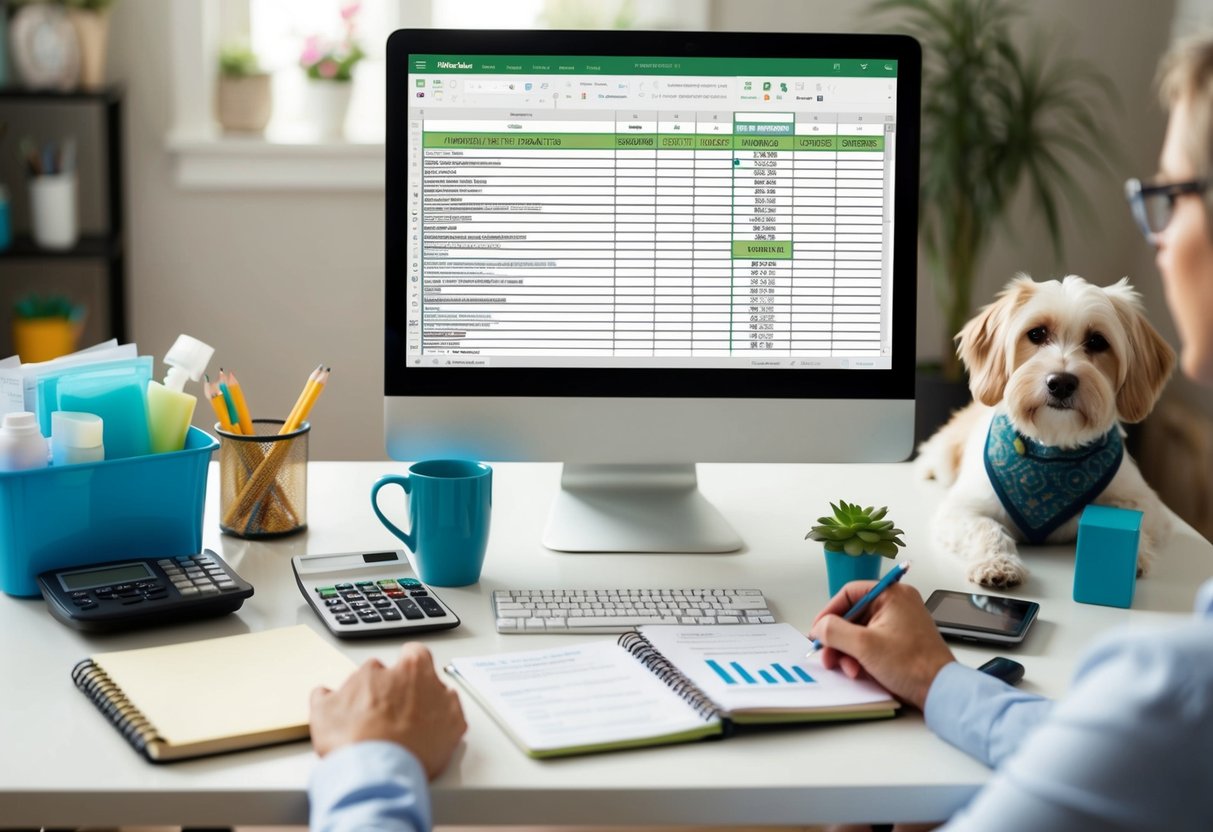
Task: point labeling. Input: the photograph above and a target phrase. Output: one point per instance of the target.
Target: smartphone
(986, 618)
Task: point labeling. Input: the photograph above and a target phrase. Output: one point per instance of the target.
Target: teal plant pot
(842, 568)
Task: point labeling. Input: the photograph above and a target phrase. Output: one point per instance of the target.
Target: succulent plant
(857, 531)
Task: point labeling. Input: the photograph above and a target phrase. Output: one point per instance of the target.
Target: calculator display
(121, 573)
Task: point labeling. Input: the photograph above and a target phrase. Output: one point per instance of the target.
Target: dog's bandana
(1042, 487)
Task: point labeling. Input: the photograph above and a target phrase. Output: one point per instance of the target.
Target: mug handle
(403, 481)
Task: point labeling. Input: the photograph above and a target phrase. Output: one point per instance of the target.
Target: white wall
(280, 282)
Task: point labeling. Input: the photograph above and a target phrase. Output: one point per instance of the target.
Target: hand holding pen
(897, 643)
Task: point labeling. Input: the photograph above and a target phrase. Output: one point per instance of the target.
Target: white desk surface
(62, 764)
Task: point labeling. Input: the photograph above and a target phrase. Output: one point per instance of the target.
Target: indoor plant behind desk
(855, 540)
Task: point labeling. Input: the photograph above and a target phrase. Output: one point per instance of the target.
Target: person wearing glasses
(1130, 747)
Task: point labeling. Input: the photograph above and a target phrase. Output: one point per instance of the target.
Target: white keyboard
(620, 610)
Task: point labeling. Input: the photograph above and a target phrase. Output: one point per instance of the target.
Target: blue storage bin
(75, 515)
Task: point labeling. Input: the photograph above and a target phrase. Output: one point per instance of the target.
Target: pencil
(233, 389)
(227, 399)
(215, 398)
(315, 389)
(303, 394)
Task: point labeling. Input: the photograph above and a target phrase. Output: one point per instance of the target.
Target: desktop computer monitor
(634, 251)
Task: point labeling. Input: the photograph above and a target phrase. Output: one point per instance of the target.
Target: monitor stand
(635, 508)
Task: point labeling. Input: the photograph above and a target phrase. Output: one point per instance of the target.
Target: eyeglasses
(1153, 204)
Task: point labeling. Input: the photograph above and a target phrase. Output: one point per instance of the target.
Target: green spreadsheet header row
(772, 68)
(650, 141)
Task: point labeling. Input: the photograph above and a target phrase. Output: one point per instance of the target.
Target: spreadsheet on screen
(591, 211)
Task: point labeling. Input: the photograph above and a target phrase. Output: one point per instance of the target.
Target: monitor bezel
(896, 382)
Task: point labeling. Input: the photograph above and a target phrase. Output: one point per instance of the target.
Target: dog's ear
(1151, 360)
(981, 344)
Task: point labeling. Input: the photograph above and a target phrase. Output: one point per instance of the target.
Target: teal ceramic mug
(450, 503)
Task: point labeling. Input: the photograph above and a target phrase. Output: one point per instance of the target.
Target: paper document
(582, 695)
(759, 666)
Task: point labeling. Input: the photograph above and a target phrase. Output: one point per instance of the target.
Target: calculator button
(76, 595)
(80, 602)
(341, 610)
(323, 589)
(431, 607)
(408, 583)
(390, 615)
(104, 589)
(347, 619)
(120, 588)
(370, 619)
(128, 601)
(381, 603)
(364, 583)
(157, 595)
(334, 602)
(91, 605)
(104, 596)
(187, 590)
(164, 562)
(372, 594)
(131, 594)
(226, 586)
(344, 586)
(418, 593)
(395, 593)
(208, 590)
(360, 605)
(349, 596)
(152, 585)
(411, 611)
(387, 582)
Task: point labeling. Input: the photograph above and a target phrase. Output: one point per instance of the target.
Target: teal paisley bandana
(1042, 487)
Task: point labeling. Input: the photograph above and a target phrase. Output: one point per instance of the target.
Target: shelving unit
(106, 246)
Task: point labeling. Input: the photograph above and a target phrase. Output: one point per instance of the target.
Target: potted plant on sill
(329, 66)
(996, 116)
(855, 540)
(244, 100)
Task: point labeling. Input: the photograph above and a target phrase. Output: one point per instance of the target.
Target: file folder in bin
(75, 515)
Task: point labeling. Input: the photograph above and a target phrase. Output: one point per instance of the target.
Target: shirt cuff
(361, 785)
(954, 709)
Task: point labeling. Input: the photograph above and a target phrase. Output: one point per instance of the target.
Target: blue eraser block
(1105, 560)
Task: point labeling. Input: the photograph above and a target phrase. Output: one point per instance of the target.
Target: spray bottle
(169, 408)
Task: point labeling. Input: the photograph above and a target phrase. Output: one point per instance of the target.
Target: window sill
(217, 161)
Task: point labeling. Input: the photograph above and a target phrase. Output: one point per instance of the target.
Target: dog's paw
(1145, 558)
(1000, 571)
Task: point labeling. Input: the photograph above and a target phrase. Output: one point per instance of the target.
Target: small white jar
(76, 437)
(22, 445)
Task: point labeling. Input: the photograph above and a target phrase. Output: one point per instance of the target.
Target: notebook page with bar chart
(760, 672)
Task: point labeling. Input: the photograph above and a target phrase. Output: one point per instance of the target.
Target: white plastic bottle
(169, 408)
(22, 445)
(76, 437)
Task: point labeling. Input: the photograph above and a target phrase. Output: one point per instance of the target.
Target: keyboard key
(614, 621)
(507, 624)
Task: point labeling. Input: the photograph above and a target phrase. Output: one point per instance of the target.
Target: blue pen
(894, 575)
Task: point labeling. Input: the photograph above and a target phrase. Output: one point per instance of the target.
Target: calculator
(366, 594)
(143, 592)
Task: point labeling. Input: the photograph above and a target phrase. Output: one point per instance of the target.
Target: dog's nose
(1061, 385)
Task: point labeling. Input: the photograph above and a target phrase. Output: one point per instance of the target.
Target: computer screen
(634, 221)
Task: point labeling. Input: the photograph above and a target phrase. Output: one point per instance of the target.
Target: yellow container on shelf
(41, 339)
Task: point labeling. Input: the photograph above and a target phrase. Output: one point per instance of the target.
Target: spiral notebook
(209, 697)
(662, 684)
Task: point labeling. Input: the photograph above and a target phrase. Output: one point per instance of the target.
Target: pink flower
(311, 51)
(327, 68)
(350, 10)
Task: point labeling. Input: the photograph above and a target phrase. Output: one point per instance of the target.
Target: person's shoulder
(1170, 666)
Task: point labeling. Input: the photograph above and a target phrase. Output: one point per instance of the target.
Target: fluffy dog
(1053, 368)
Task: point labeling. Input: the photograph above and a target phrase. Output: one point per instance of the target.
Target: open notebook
(207, 697)
(663, 684)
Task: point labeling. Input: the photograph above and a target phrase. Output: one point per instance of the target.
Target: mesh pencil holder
(263, 480)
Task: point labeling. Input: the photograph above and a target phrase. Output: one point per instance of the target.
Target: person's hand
(404, 704)
(894, 640)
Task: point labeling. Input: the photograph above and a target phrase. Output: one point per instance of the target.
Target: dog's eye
(1038, 335)
(1096, 343)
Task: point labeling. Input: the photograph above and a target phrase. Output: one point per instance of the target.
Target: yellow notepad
(208, 697)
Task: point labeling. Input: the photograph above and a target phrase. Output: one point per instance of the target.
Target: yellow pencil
(313, 393)
(303, 394)
(218, 405)
(242, 411)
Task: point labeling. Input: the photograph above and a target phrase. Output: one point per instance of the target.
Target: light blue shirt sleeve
(376, 786)
(1129, 748)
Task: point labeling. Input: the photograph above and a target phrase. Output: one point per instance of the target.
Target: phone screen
(984, 613)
